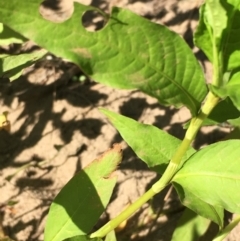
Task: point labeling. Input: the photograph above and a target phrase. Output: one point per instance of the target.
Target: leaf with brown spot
(128, 52)
(83, 52)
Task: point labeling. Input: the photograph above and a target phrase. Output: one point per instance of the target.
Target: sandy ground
(55, 120)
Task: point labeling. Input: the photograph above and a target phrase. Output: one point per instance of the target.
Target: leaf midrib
(206, 174)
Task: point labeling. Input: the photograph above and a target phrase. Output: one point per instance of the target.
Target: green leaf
(190, 227)
(231, 90)
(80, 203)
(224, 111)
(213, 175)
(193, 202)
(82, 238)
(235, 122)
(213, 20)
(154, 146)
(218, 28)
(11, 66)
(111, 236)
(8, 36)
(202, 37)
(129, 52)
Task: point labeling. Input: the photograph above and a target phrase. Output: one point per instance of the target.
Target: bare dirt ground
(56, 122)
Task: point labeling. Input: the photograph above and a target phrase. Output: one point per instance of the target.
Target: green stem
(195, 125)
(216, 66)
(217, 58)
(210, 103)
(123, 215)
(171, 170)
(224, 232)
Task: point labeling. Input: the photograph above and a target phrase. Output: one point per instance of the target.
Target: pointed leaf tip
(142, 139)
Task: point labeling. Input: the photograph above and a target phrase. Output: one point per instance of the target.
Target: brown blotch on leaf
(118, 149)
(83, 52)
(137, 79)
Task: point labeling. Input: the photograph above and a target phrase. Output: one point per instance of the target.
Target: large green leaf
(11, 66)
(213, 175)
(129, 52)
(219, 28)
(80, 203)
(154, 146)
(8, 36)
(190, 227)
